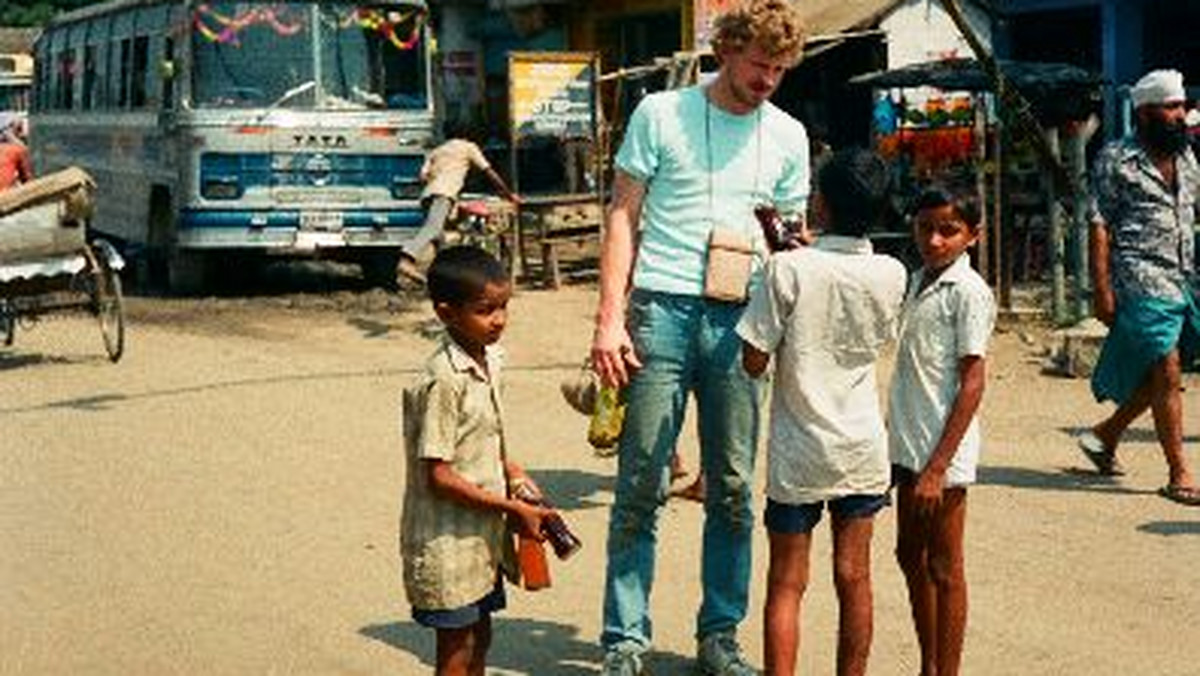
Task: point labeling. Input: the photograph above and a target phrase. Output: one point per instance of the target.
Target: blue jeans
(686, 345)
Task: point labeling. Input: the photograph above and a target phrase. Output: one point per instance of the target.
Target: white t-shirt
(950, 319)
(704, 168)
(826, 312)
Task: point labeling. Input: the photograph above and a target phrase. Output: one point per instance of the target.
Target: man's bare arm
(612, 348)
(501, 186)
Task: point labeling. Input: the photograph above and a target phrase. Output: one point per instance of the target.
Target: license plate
(321, 220)
(309, 240)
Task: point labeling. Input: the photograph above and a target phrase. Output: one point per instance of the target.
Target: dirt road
(224, 501)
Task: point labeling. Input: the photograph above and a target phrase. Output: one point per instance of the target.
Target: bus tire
(154, 270)
(187, 272)
(379, 267)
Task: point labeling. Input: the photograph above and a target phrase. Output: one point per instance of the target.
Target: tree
(23, 14)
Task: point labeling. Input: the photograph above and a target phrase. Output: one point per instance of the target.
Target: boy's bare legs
(483, 642)
(930, 551)
(912, 537)
(463, 652)
(1160, 393)
(852, 579)
(787, 578)
(949, 579)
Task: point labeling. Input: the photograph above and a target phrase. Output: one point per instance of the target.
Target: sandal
(1104, 460)
(1184, 495)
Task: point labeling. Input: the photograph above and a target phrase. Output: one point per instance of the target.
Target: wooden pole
(979, 135)
(1018, 113)
(1058, 297)
(998, 210)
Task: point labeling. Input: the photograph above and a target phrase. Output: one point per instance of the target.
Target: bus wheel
(379, 268)
(187, 272)
(156, 259)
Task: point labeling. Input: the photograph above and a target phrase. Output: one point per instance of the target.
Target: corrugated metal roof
(17, 40)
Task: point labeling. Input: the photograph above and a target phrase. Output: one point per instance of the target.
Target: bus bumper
(295, 231)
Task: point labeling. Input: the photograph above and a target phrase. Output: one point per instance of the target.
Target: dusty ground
(224, 501)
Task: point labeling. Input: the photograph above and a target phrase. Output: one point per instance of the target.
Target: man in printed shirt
(1143, 268)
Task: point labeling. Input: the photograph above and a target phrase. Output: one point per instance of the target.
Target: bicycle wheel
(8, 323)
(109, 308)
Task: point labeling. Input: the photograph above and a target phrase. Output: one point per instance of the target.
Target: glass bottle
(608, 418)
(554, 527)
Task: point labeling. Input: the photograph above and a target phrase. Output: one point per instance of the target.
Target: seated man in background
(15, 165)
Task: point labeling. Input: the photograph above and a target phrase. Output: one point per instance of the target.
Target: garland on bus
(231, 26)
(375, 20)
(366, 18)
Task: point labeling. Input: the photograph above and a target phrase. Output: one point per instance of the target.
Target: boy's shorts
(465, 616)
(781, 517)
(902, 476)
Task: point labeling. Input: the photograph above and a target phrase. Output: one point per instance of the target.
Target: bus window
(167, 73)
(123, 73)
(137, 72)
(261, 54)
(89, 78)
(251, 55)
(376, 57)
(122, 41)
(66, 79)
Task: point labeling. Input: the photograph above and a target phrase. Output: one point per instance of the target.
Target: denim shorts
(465, 616)
(781, 517)
(902, 476)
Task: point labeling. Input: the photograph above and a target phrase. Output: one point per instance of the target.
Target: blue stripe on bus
(228, 218)
(286, 169)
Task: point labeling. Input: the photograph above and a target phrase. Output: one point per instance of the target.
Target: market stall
(940, 121)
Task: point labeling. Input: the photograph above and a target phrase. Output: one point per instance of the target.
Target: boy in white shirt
(825, 312)
(934, 434)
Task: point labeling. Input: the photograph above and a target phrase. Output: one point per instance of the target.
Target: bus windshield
(309, 56)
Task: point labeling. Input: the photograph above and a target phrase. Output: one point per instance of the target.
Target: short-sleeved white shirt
(950, 319)
(826, 312)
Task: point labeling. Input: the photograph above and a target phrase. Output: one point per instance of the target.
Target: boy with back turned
(825, 313)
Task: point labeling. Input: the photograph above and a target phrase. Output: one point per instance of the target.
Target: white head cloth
(1158, 87)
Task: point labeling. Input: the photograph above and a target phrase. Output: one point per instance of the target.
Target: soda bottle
(772, 226)
(531, 556)
(607, 420)
(554, 527)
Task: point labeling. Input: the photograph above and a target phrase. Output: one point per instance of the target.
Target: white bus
(222, 128)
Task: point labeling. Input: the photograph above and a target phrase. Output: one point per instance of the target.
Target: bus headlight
(221, 188)
(406, 187)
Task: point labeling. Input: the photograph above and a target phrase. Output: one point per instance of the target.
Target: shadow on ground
(571, 489)
(1063, 479)
(1171, 528)
(1144, 435)
(524, 646)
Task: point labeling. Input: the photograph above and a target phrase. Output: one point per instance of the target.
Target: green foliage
(23, 13)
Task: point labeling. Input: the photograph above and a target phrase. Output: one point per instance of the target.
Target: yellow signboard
(552, 94)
